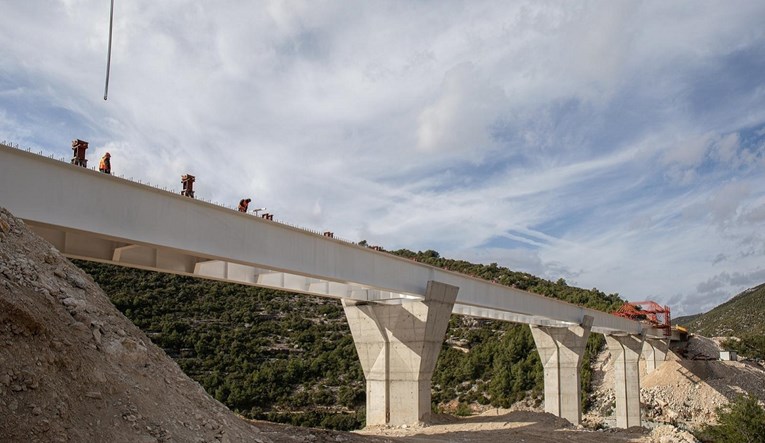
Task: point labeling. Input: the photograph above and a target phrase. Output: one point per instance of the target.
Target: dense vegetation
(591, 298)
(290, 358)
(743, 420)
(749, 345)
(265, 354)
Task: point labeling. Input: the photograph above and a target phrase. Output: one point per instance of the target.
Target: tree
(742, 421)
(752, 346)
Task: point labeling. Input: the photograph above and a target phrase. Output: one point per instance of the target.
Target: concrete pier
(398, 345)
(626, 350)
(561, 350)
(654, 353)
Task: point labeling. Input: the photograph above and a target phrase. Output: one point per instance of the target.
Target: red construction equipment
(647, 311)
(78, 153)
(188, 185)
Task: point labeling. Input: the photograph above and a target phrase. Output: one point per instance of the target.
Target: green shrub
(752, 346)
(463, 410)
(742, 421)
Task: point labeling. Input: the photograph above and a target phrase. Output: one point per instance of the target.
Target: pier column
(654, 353)
(398, 345)
(626, 350)
(561, 350)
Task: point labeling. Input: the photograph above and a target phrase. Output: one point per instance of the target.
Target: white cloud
(461, 117)
(727, 147)
(602, 139)
(690, 152)
(725, 203)
(756, 214)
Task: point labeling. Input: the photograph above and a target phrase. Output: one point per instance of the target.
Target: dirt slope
(683, 391)
(689, 391)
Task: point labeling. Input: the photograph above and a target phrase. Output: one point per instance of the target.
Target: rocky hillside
(686, 319)
(742, 315)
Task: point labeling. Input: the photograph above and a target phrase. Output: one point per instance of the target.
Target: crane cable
(109, 54)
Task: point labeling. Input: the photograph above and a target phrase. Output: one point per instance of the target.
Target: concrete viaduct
(398, 310)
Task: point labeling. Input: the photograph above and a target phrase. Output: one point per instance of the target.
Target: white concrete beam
(494, 314)
(105, 208)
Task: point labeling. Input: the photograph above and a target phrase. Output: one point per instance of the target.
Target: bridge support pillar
(654, 353)
(561, 350)
(398, 345)
(626, 350)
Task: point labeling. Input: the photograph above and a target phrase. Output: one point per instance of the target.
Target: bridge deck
(94, 216)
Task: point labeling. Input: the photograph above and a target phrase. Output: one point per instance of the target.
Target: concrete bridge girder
(88, 247)
(102, 206)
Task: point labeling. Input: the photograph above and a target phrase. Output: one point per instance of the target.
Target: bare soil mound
(683, 392)
(689, 391)
(698, 347)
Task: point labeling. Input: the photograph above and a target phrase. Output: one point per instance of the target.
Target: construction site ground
(74, 369)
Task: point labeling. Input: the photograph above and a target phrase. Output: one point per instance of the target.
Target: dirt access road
(499, 425)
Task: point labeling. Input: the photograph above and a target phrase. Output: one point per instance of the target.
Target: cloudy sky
(616, 144)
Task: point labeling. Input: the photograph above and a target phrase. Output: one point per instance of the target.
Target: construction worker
(243, 204)
(106, 165)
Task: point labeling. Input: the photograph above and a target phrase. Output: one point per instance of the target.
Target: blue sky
(618, 145)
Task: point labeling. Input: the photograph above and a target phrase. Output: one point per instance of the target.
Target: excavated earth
(74, 369)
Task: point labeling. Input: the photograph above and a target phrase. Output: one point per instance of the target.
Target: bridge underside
(87, 246)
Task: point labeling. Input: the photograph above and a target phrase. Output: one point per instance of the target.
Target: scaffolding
(647, 311)
(78, 153)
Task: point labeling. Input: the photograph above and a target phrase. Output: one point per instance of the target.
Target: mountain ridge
(743, 314)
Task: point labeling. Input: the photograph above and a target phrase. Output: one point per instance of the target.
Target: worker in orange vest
(106, 165)
(243, 204)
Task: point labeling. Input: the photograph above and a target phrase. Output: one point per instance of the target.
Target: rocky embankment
(72, 368)
(681, 394)
(687, 391)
